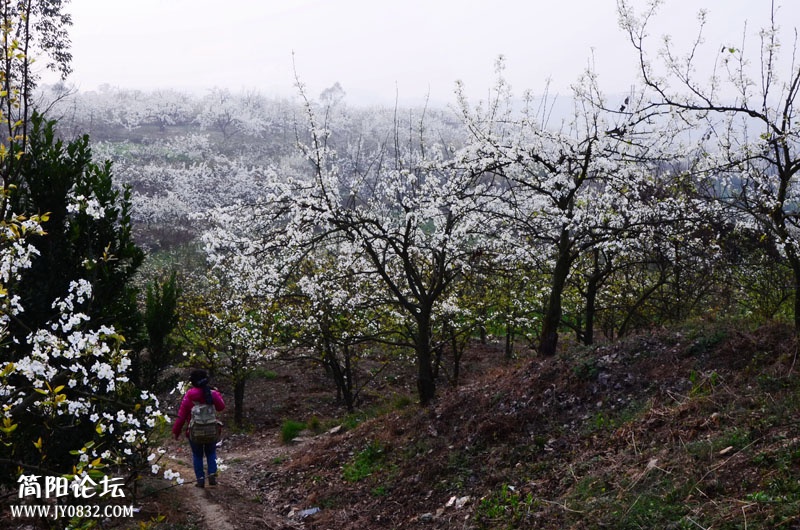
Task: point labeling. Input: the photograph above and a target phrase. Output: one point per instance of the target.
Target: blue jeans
(210, 453)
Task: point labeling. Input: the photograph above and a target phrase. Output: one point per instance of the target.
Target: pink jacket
(192, 396)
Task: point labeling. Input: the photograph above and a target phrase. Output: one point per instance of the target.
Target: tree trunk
(342, 375)
(552, 314)
(457, 352)
(426, 384)
(796, 268)
(591, 300)
(238, 401)
(509, 341)
(438, 355)
(794, 261)
(592, 289)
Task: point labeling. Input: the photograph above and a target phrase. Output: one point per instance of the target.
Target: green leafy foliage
(160, 320)
(88, 232)
(87, 238)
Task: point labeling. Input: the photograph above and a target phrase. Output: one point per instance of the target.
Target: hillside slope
(676, 429)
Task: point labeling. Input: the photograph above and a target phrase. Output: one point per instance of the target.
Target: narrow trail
(213, 514)
(232, 505)
(202, 501)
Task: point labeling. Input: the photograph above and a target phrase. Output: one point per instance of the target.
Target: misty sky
(378, 49)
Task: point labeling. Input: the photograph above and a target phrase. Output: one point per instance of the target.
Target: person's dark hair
(199, 378)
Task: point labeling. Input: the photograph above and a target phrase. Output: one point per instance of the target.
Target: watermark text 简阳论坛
(95, 493)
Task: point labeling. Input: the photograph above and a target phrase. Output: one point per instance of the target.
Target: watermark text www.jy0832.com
(55, 512)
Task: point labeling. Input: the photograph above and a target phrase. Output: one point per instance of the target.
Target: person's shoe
(200, 484)
(212, 480)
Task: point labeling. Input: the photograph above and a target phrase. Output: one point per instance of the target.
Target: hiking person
(198, 407)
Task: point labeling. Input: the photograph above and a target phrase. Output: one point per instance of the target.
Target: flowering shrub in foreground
(66, 404)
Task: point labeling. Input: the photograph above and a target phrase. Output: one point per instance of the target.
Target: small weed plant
(290, 429)
(365, 463)
(507, 508)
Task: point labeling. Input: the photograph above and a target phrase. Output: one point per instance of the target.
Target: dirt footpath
(234, 504)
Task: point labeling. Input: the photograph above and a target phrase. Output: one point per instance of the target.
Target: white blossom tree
(337, 315)
(403, 215)
(229, 114)
(226, 331)
(741, 103)
(568, 188)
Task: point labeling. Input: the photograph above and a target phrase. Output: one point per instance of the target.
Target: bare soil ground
(270, 484)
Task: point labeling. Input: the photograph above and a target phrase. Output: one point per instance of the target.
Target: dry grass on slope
(694, 428)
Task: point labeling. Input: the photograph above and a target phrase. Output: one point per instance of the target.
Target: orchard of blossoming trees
(350, 231)
(337, 234)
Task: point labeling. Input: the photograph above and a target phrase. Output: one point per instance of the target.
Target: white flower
(103, 371)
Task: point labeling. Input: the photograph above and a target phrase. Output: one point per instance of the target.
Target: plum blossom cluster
(17, 255)
(79, 203)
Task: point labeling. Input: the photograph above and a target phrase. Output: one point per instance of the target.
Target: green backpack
(204, 427)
